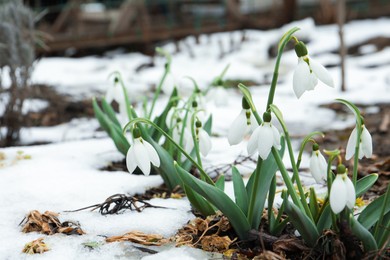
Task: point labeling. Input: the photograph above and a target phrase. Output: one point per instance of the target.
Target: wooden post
(342, 50)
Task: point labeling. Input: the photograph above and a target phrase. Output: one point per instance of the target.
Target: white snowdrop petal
(141, 157)
(366, 143)
(350, 189)
(204, 142)
(254, 123)
(276, 137)
(313, 81)
(253, 141)
(318, 167)
(321, 72)
(301, 77)
(153, 156)
(265, 141)
(237, 129)
(130, 160)
(188, 141)
(350, 150)
(338, 195)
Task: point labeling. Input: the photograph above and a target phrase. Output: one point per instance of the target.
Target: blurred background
(79, 27)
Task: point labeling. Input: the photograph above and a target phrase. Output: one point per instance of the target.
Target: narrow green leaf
(313, 203)
(220, 200)
(302, 223)
(110, 112)
(208, 125)
(371, 214)
(384, 232)
(365, 183)
(100, 116)
(261, 184)
(325, 220)
(198, 202)
(220, 183)
(240, 194)
(364, 235)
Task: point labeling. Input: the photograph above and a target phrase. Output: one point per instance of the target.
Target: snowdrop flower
(308, 72)
(318, 165)
(365, 147)
(115, 93)
(342, 192)
(203, 139)
(264, 138)
(141, 154)
(244, 123)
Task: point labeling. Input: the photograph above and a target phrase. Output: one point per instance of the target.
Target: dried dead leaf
(269, 255)
(49, 224)
(139, 238)
(35, 247)
(215, 243)
(292, 244)
(2, 156)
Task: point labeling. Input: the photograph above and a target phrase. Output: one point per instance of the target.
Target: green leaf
(240, 194)
(110, 112)
(100, 116)
(198, 202)
(313, 203)
(261, 184)
(208, 125)
(365, 183)
(220, 183)
(302, 223)
(371, 214)
(220, 200)
(325, 220)
(364, 235)
(384, 232)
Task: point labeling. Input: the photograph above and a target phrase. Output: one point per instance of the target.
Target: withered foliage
(35, 247)
(49, 224)
(209, 234)
(117, 203)
(139, 238)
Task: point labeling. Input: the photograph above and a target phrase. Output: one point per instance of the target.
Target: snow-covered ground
(66, 174)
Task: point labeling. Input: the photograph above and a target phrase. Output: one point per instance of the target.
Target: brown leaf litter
(49, 224)
(139, 238)
(35, 247)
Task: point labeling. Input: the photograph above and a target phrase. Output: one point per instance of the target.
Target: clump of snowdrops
(174, 140)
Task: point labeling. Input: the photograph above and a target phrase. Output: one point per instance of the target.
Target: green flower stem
(287, 180)
(271, 199)
(127, 100)
(296, 173)
(255, 190)
(282, 44)
(356, 156)
(147, 121)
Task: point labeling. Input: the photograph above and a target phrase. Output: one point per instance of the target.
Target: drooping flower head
(318, 165)
(203, 138)
(115, 93)
(308, 72)
(264, 138)
(141, 154)
(244, 123)
(365, 146)
(342, 192)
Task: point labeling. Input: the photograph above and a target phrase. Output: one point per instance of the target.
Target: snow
(66, 175)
